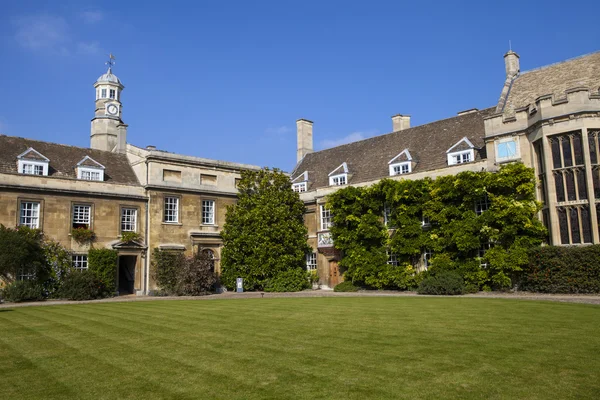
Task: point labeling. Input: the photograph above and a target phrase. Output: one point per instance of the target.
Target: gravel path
(566, 298)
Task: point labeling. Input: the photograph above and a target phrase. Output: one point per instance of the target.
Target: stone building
(547, 118)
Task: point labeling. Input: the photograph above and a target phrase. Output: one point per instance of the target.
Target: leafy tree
(21, 252)
(264, 233)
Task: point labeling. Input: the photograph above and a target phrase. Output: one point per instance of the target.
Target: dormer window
(299, 187)
(339, 176)
(32, 162)
(401, 164)
(300, 183)
(462, 152)
(338, 180)
(89, 169)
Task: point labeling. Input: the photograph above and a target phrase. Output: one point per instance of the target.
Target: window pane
(577, 149)
(325, 218)
(555, 153)
(586, 225)
(566, 147)
(559, 185)
(81, 216)
(581, 188)
(593, 155)
(564, 227)
(30, 214)
(128, 220)
(80, 262)
(208, 212)
(596, 181)
(574, 216)
(171, 209)
(570, 179)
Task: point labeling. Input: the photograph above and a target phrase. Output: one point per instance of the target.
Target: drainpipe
(148, 249)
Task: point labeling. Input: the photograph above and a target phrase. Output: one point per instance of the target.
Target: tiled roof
(368, 159)
(553, 79)
(64, 159)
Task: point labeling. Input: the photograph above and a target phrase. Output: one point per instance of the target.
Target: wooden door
(334, 273)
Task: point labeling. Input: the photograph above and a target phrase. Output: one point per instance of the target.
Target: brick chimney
(511, 63)
(304, 130)
(400, 122)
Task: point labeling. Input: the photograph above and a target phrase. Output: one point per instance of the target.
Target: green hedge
(554, 269)
(444, 283)
(103, 263)
(346, 286)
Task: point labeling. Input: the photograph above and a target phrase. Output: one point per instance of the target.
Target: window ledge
(172, 223)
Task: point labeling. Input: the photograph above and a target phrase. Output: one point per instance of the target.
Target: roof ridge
(559, 62)
(404, 130)
(58, 144)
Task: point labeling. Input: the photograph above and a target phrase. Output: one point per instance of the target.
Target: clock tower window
(112, 93)
(103, 93)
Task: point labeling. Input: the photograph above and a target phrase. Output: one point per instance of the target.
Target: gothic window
(566, 148)
(555, 153)
(564, 226)
(585, 225)
(593, 153)
(574, 217)
(581, 188)
(571, 195)
(560, 186)
(577, 149)
(542, 179)
(540, 156)
(596, 181)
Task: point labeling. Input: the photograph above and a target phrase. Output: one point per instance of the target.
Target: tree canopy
(264, 233)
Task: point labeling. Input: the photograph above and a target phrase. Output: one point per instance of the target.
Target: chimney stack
(400, 122)
(304, 130)
(511, 63)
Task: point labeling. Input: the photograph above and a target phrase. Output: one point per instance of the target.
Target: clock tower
(108, 130)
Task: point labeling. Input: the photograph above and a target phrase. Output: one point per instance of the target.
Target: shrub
(346, 286)
(127, 237)
(21, 253)
(195, 276)
(165, 264)
(83, 235)
(82, 285)
(19, 291)
(60, 262)
(103, 263)
(443, 283)
(292, 280)
(554, 269)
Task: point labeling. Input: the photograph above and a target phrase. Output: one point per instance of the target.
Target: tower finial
(509, 45)
(111, 61)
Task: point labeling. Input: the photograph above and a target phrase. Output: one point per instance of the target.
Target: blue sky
(228, 79)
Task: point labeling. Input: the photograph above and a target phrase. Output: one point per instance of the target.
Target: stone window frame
(91, 213)
(164, 209)
(21, 200)
(137, 217)
(311, 261)
(214, 211)
(79, 261)
(325, 218)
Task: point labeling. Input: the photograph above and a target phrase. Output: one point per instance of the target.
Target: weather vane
(111, 61)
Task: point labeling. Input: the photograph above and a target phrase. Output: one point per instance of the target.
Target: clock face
(112, 109)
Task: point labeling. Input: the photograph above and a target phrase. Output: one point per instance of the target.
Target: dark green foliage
(554, 269)
(59, 260)
(127, 237)
(83, 235)
(264, 233)
(455, 232)
(21, 252)
(195, 276)
(82, 285)
(443, 283)
(292, 280)
(103, 263)
(346, 286)
(19, 291)
(165, 264)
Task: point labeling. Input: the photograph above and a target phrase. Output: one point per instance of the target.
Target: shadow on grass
(5, 309)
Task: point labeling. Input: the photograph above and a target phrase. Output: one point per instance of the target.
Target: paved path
(567, 298)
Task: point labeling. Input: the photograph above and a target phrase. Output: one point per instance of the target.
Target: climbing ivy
(452, 216)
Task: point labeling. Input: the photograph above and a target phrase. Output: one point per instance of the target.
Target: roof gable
(32, 154)
(461, 145)
(88, 161)
(402, 157)
(342, 169)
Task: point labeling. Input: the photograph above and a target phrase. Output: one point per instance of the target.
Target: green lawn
(302, 348)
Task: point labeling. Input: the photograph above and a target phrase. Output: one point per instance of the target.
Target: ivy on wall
(455, 217)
